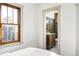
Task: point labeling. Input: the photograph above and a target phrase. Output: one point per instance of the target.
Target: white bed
(31, 52)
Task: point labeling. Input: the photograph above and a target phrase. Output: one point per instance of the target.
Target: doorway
(51, 29)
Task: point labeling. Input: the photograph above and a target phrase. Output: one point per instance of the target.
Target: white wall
(67, 27)
(30, 25)
(77, 31)
(28, 30)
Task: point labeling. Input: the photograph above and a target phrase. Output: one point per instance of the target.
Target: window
(9, 23)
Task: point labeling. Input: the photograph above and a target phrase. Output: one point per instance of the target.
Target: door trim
(44, 26)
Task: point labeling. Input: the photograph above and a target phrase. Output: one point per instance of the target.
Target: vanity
(50, 40)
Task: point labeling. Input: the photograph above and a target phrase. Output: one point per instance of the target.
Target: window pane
(4, 14)
(10, 33)
(9, 15)
(15, 16)
(16, 32)
(4, 33)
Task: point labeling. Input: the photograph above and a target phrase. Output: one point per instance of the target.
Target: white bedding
(31, 52)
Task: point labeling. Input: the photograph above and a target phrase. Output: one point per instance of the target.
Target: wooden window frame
(18, 24)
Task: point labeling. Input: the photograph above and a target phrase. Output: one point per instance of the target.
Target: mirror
(51, 22)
